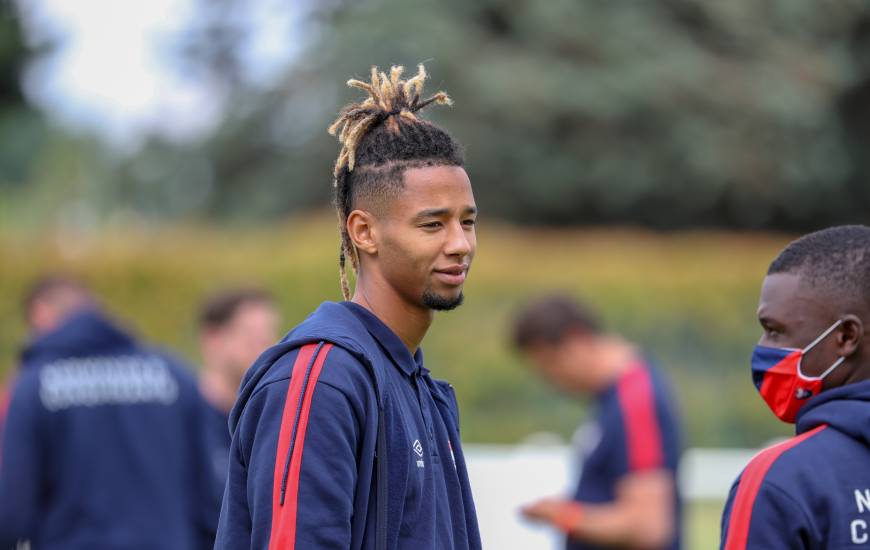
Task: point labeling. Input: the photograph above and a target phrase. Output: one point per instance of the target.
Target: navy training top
(102, 446)
(811, 491)
(635, 428)
(303, 471)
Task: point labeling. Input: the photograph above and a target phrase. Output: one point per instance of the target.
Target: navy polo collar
(389, 341)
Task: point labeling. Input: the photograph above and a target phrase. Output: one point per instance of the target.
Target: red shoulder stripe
(5, 400)
(297, 405)
(642, 430)
(750, 483)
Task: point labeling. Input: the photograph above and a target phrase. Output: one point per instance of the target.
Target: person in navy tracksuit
(812, 368)
(627, 495)
(341, 439)
(101, 447)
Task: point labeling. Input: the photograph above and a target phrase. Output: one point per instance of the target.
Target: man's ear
(362, 230)
(850, 334)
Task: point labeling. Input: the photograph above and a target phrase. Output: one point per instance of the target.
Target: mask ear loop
(813, 344)
(831, 368)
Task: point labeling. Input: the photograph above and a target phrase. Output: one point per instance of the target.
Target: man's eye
(469, 222)
(431, 225)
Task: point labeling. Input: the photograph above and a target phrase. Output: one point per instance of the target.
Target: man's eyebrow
(439, 212)
(764, 320)
(431, 213)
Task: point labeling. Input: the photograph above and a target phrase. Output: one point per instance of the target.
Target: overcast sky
(114, 70)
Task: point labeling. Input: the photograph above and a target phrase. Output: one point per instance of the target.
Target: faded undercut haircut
(549, 319)
(381, 137)
(836, 259)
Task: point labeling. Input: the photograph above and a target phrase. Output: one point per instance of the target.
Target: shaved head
(833, 261)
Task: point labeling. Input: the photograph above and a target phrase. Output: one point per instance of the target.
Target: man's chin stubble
(440, 303)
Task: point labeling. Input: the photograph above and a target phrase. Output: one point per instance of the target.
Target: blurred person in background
(812, 368)
(235, 327)
(103, 443)
(341, 438)
(627, 495)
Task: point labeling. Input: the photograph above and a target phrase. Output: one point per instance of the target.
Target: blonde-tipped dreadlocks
(381, 137)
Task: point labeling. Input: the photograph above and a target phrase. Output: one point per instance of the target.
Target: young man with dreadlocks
(341, 439)
(812, 368)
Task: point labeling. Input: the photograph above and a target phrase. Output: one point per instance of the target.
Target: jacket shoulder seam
(284, 378)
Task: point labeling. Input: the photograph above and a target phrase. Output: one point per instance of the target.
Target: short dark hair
(548, 319)
(48, 285)
(837, 258)
(220, 308)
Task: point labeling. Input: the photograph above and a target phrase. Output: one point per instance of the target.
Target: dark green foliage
(674, 113)
(668, 114)
(22, 130)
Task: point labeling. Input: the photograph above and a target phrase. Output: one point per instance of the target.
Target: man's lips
(452, 275)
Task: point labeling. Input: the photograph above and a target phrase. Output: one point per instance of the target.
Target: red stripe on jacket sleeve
(750, 483)
(642, 432)
(5, 400)
(283, 534)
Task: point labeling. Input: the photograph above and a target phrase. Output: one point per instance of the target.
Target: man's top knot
(388, 96)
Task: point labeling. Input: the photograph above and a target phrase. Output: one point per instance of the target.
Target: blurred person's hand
(564, 514)
(542, 510)
(638, 518)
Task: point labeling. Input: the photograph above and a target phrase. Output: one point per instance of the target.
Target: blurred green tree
(854, 111)
(669, 114)
(22, 128)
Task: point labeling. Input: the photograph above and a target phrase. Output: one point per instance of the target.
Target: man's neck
(409, 322)
(859, 373)
(217, 388)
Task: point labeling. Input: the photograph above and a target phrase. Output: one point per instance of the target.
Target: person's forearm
(615, 525)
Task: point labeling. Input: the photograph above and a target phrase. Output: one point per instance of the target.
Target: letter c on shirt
(859, 531)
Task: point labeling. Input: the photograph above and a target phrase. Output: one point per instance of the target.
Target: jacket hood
(846, 409)
(331, 322)
(84, 334)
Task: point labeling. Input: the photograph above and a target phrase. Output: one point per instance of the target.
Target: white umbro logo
(418, 448)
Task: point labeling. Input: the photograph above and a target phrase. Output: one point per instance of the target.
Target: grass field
(688, 298)
(703, 525)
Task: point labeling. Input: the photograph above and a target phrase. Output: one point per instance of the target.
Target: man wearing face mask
(812, 368)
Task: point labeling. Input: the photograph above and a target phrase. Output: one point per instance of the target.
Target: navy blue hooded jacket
(313, 413)
(101, 449)
(813, 490)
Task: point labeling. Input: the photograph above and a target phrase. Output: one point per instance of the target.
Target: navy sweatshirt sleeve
(22, 454)
(296, 439)
(777, 523)
(768, 506)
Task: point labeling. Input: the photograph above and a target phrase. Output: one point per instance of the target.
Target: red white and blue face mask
(777, 375)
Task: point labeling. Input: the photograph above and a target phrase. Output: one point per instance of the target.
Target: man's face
(252, 329)
(426, 237)
(565, 365)
(792, 315)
